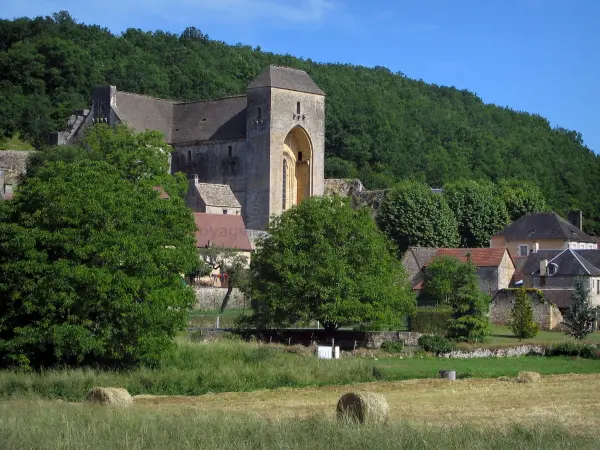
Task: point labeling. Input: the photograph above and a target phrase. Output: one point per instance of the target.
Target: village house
(543, 231)
(494, 266)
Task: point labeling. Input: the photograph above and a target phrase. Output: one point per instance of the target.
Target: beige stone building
(267, 145)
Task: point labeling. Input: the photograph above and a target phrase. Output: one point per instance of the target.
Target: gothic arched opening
(296, 168)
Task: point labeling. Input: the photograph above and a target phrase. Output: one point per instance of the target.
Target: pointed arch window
(284, 184)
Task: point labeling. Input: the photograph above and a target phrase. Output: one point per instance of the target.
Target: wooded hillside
(381, 127)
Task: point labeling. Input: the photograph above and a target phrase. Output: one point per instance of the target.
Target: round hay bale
(363, 407)
(529, 377)
(109, 397)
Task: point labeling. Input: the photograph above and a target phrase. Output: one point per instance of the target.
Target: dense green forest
(381, 126)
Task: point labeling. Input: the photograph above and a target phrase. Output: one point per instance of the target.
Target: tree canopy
(380, 126)
(413, 215)
(325, 261)
(91, 268)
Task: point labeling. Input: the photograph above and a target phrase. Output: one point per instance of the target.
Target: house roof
(217, 195)
(143, 113)
(221, 230)
(569, 263)
(562, 298)
(212, 120)
(536, 226)
(161, 191)
(286, 78)
(480, 257)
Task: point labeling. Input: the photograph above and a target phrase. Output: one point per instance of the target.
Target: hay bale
(109, 397)
(529, 377)
(363, 407)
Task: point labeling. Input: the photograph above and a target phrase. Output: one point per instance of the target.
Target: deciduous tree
(323, 260)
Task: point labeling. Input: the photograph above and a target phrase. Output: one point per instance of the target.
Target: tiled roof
(163, 194)
(212, 120)
(535, 226)
(480, 257)
(145, 113)
(221, 230)
(286, 78)
(217, 195)
(562, 298)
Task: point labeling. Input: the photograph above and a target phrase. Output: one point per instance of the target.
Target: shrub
(436, 344)
(430, 320)
(572, 349)
(392, 346)
(521, 321)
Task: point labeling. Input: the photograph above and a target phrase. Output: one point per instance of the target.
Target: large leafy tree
(444, 277)
(521, 197)
(325, 261)
(91, 268)
(413, 215)
(580, 317)
(479, 212)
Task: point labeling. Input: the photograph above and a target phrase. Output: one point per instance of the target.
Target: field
(559, 412)
(234, 366)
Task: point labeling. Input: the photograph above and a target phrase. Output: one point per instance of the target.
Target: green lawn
(503, 337)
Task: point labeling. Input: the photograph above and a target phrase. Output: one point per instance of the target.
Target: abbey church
(256, 154)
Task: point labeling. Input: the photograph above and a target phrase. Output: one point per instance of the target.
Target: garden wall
(545, 314)
(208, 297)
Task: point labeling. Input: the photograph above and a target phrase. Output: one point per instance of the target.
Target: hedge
(430, 320)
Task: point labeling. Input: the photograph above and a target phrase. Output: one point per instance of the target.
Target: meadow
(197, 368)
(560, 412)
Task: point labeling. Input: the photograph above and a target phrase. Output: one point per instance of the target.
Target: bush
(430, 320)
(572, 349)
(392, 346)
(436, 344)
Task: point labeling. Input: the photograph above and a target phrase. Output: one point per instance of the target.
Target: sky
(539, 56)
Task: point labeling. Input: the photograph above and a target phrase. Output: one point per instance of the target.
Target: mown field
(235, 366)
(560, 412)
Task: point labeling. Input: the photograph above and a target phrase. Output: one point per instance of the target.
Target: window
(299, 156)
(230, 151)
(259, 113)
(284, 185)
(523, 250)
(552, 268)
(189, 156)
(225, 211)
(598, 287)
(298, 108)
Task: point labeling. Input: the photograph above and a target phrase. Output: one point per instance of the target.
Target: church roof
(217, 195)
(210, 120)
(286, 78)
(145, 113)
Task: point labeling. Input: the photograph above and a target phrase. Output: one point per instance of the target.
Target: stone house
(267, 145)
(543, 231)
(554, 272)
(212, 198)
(495, 268)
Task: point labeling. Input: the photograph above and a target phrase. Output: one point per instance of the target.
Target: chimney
(536, 247)
(576, 218)
(543, 267)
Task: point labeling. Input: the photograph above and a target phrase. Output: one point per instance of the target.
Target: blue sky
(540, 56)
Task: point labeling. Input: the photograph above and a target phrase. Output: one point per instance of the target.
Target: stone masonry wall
(212, 297)
(375, 339)
(14, 164)
(545, 314)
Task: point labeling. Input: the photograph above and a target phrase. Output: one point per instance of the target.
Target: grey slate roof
(569, 262)
(544, 226)
(562, 298)
(219, 195)
(414, 259)
(210, 120)
(286, 78)
(145, 113)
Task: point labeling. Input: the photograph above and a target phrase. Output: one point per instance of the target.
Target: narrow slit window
(284, 185)
(189, 156)
(259, 113)
(299, 156)
(230, 149)
(298, 108)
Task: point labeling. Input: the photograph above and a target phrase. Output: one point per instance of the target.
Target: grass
(559, 413)
(208, 318)
(15, 143)
(234, 366)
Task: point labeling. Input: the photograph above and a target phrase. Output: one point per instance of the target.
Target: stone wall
(359, 196)
(14, 164)
(212, 297)
(376, 338)
(520, 350)
(545, 314)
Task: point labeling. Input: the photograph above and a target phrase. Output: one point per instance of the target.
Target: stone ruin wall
(13, 165)
(545, 314)
(359, 196)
